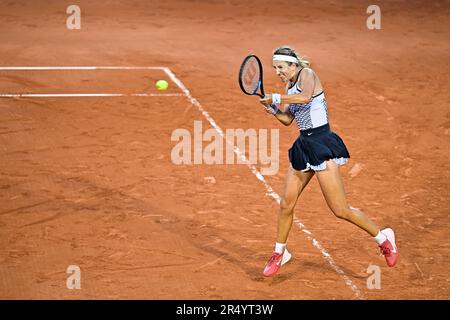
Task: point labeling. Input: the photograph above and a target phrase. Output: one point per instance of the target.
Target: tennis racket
(251, 80)
(251, 76)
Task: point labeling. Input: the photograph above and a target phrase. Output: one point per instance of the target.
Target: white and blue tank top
(309, 115)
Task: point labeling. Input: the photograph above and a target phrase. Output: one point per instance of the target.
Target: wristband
(273, 108)
(276, 98)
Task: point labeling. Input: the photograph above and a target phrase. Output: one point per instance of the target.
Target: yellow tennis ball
(162, 84)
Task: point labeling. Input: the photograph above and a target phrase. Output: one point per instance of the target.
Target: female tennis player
(317, 150)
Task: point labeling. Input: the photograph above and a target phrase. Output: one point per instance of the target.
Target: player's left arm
(307, 83)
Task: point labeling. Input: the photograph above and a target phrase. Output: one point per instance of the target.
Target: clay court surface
(89, 181)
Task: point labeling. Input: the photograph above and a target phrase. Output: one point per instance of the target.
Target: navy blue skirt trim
(315, 146)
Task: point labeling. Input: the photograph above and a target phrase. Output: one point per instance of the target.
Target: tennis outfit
(316, 143)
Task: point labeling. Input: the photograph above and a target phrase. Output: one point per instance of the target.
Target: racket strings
(250, 76)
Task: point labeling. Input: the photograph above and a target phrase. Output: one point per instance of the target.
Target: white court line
(348, 282)
(77, 95)
(83, 68)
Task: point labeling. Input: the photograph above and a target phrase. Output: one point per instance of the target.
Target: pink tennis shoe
(275, 262)
(388, 247)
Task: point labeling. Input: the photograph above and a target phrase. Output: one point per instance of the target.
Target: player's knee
(286, 206)
(342, 212)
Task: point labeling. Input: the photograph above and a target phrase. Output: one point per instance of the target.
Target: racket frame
(260, 82)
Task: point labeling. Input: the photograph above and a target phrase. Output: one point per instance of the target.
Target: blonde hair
(303, 61)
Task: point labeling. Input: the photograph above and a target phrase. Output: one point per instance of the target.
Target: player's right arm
(285, 117)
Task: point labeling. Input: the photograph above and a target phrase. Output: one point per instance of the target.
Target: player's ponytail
(303, 61)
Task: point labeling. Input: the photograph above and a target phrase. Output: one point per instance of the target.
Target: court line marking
(82, 68)
(348, 282)
(78, 95)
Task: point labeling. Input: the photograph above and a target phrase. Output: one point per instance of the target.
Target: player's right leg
(295, 182)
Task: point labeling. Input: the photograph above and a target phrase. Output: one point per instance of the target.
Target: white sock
(279, 247)
(380, 237)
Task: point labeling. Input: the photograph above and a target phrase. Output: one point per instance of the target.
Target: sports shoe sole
(389, 233)
(286, 257)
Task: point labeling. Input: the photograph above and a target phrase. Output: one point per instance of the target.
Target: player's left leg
(332, 185)
(330, 181)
